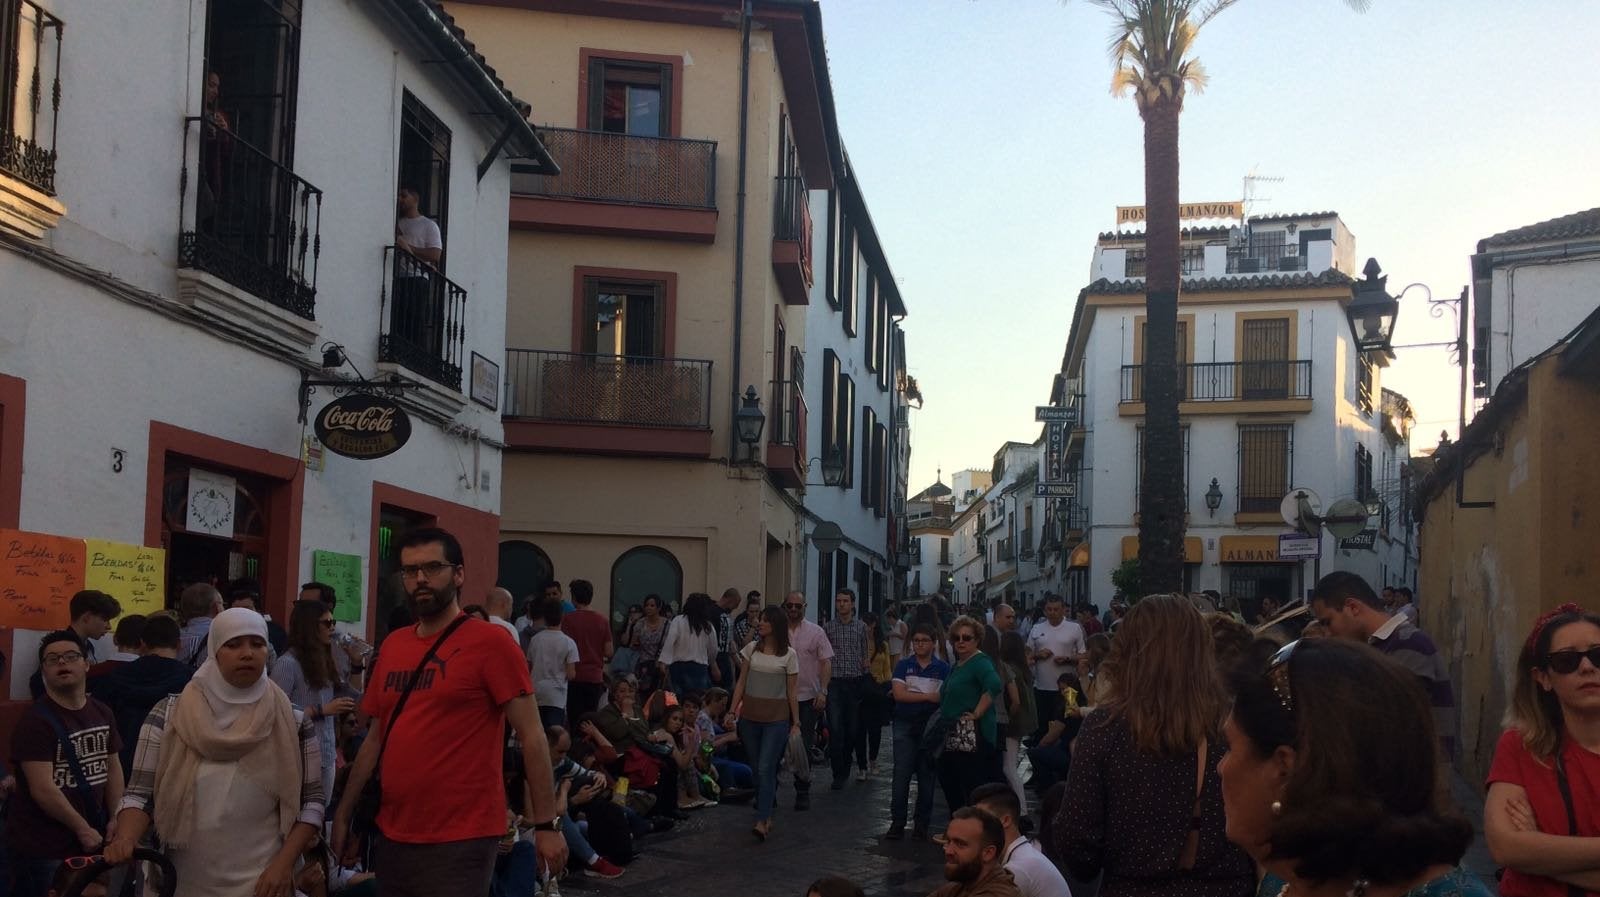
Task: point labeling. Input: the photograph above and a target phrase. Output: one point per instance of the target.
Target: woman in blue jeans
(688, 655)
(916, 685)
(765, 704)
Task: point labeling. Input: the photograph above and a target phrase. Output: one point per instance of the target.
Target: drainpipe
(738, 226)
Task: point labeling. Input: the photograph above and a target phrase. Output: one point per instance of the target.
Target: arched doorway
(524, 569)
(646, 570)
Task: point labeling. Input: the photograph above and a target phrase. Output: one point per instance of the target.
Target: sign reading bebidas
(362, 426)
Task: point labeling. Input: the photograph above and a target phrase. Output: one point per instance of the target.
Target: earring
(1277, 808)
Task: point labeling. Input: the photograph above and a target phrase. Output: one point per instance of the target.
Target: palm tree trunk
(1161, 494)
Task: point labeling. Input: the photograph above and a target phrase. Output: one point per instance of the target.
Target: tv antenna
(1250, 182)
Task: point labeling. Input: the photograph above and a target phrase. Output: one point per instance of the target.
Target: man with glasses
(69, 780)
(1348, 608)
(443, 810)
(916, 685)
(811, 644)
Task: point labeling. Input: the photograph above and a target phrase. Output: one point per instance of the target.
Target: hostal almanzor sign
(362, 426)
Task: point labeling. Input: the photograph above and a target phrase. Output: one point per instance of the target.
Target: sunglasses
(1278, 674)
(325, 624)
(1566, 662)
(968, 637)
(788, 606)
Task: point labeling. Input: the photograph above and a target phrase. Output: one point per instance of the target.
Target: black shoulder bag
(364, 817)
(97, 813)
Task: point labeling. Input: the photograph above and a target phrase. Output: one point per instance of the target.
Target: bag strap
(1572, 813)
(97, 815)
(411, 683)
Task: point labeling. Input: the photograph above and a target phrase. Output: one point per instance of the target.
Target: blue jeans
(732, 773)
(577, 844)
(31, 875)
(517, 873)
(845, 732)
(765, 743)
(909, 759)
(687, 676)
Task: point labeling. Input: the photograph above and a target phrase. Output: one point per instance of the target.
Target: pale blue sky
(991, 153)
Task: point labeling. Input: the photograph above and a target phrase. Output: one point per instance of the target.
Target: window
(1138, 465)
(1182, 344)
(630, 97)
(1269, 247)
(858, 293)
(836, 229)
(646, 570)
(253, 56)
(425, 164)
(624, 318)
(843, 267)
(524, 569)
(869, 302)
(838, 415)
(829, 408)
(880, 470)
(30, 92)
(1364, 381)
(824, 597)
(847, 428)
(1264, 357)
(944, 551)
(881, 339)
(1266, 465)
(869, 468)
(1363, 473)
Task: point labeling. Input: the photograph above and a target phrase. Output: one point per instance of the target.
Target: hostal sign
(363, 426)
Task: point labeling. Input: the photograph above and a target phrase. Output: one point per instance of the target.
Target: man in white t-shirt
(418, 313)
(1054, 645)
(1031, 870)
(553, 661)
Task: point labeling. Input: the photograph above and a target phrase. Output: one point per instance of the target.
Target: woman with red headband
(1542, 816)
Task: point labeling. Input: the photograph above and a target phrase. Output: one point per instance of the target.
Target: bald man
(1005, 618)
(498, 604)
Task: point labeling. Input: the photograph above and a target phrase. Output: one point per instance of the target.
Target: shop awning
(1080, 556)
(1250, 550)
(1193, 549)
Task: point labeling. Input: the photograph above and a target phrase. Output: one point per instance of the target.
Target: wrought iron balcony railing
(30, 90)
(253, 222)
(621, 390)
(424, 320)
(601, 166)
(1228, 381)
(791, 216)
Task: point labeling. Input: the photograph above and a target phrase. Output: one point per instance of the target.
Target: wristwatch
(551, 825)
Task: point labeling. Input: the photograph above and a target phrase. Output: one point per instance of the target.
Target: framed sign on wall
(485, 382)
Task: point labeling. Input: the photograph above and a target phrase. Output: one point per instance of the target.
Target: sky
(992, 153)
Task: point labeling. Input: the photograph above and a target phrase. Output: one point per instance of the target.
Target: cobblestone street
(714, 854)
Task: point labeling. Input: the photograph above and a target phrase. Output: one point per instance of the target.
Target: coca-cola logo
(363, 426)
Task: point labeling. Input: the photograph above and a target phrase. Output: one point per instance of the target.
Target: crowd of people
(1171, 749)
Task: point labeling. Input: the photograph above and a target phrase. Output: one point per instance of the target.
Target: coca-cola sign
(362, 426)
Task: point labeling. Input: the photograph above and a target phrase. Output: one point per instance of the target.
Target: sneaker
(839, 781)
(802, 801)
(861, 775)
(895, 832)
(603, 868)
(939, 838)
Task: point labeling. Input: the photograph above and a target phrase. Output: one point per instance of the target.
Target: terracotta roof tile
(1578, 224)
(1330, 277)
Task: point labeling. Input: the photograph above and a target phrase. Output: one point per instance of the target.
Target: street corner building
(202, 270)
(705, 380)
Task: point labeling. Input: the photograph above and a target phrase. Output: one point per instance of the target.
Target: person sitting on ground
(733, 775)
(1331, 778)
(1034, 874)
(973, 846)
(700, 780)
(577, 787)
(627, 733)
(665, 715)
(1052, 756)
(1543, 810)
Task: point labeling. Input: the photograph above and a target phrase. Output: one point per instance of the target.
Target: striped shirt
(1415, 651)
(766, 685)
(141, 787)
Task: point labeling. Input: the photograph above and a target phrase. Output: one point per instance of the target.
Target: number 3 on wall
(117, 456)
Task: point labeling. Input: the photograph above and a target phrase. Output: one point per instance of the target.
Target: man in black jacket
(133, 688)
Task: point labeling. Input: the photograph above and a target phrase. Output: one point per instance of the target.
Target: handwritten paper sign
(38, 576)
(343, 572)
(134, 575)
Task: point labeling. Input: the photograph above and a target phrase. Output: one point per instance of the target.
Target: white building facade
(183, 255)
(1274, 398)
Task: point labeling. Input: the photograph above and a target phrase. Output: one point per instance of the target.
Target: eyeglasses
(52, 660)
(788, 606)
(922, 641)
(326, 624)
(1278, 674)
(428, 570)
(968, 637)
(1565, 662)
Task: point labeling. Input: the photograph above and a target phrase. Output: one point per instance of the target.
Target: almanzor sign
(362, 426)
(1186, 211)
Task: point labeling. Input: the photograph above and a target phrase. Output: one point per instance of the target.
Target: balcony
(30, 95)
(608, 404)
(621, 185)
(254, 226)
(424, 319)
(786, 443)
(791, 239)
(1227, 387)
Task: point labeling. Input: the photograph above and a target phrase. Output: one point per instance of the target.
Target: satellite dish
(1346, 518)
(1290, 509)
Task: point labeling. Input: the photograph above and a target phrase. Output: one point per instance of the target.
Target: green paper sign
(343, 572)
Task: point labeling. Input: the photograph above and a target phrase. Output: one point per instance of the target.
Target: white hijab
(228, 701)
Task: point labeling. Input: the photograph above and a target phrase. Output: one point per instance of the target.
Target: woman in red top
(1542, 816)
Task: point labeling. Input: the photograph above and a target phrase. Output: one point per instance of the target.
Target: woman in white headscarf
(229, 772)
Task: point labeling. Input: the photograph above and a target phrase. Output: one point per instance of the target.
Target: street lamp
(832, 466)
(1373, 311)
(749, 420)
(1214, 497)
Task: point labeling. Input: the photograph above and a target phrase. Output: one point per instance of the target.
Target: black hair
(1406, 591)
(994, 834)
(60, 635)
(325, 592)
(999, 795)
(95, 603)
(160, 631)
(130, 630)
(699, 609)
(582, 592)
(428, 535)
(548, 583)
(552, 610)
(1341, 585)
(849, 593)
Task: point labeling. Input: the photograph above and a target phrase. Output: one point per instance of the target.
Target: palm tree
(1152, 44)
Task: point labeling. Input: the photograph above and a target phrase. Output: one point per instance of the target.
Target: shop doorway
(226, 540)
(524, 571)
(393, 523)
(1250, 583)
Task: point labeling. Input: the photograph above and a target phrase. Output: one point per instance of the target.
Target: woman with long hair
(688, 655)
(971, 755)
(876, 703)
(1021, 714)
(229, 773)
(1091, 670)
(645, 638)
(1143, 802)
(625, 729)
(1331, 781)
(1542, 816)
(307, 675)
(768, 711)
